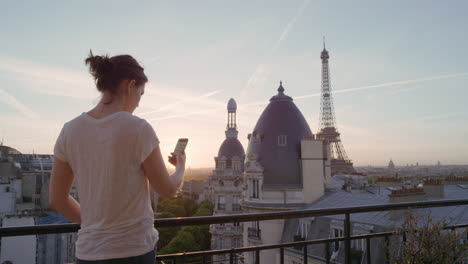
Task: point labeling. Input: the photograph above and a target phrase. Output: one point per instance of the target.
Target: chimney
(405, 195)
(434, 188)
(383, 182)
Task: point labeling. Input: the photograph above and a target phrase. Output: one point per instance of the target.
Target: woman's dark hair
(108, 72)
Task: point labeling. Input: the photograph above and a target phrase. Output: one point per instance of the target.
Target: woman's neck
(101, 110)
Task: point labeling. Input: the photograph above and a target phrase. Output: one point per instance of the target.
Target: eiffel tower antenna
(327, 125)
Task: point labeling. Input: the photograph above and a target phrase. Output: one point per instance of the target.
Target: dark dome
(281, 164)
(5, 151)
(231, 147)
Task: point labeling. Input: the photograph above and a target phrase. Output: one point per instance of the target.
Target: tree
(183, 242)
(174, 206)
(428, 241)
(166, 234)
(199, 239)
(190, 206)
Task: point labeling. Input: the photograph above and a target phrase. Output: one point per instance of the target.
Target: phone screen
(181, 144)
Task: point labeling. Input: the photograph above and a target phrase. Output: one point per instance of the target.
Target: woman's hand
(179, 160)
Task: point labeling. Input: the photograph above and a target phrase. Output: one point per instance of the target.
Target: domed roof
(232, 105)
(5, 151)
(280, 162)
(231, 147)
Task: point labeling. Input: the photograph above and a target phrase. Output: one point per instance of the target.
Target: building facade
(225, 186)
(285, 169)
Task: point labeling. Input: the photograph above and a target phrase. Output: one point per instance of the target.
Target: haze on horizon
(398, 71)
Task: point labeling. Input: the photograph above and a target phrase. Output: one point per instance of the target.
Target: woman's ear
(131, 85)
(128, 86)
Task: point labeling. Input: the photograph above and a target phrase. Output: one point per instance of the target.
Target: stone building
(226, 187)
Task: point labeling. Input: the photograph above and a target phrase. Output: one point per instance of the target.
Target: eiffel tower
(340, 164)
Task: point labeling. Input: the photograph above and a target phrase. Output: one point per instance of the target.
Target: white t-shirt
(105, 155)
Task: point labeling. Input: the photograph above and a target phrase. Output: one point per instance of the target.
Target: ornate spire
(280, 95)
(281, 89)
(231, 128)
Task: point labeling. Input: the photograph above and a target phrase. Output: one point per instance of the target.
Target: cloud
(388, 84)
(263, 70)
(49, 79)
(187, 100)
(439, 116)
(290, 25)
(203, 112)
(10, 100)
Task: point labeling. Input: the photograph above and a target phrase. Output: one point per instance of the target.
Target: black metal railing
(253, 233)
(204, 256)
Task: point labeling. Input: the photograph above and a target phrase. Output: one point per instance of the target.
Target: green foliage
(173, 205)
(428, 241)
(192, 238)
(166, 234)
(183, 242)
(208, 205)
(190, 206)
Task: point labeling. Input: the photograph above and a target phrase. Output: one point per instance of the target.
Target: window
(254, 193)
(221, 164)
(221, 243)
(236, 242)
(282, 140)
(360, 244)
(221, 202)
(235, 203)
(304, 229)
(254, 230)
(337, 233)
(236, 165)
(228, 164)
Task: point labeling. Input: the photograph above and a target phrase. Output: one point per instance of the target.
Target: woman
(113, 157)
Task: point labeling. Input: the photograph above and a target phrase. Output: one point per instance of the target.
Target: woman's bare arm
(155, 170)
(60, 199)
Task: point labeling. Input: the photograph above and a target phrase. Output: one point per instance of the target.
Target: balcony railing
(254, 233)
(204, 256)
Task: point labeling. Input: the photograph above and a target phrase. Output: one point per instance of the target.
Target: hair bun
(99, 66)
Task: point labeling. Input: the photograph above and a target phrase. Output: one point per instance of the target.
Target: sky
(399, 70)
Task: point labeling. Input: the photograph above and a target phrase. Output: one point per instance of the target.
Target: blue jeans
(148, 258)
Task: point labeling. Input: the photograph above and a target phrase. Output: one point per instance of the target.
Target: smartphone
(180, 147)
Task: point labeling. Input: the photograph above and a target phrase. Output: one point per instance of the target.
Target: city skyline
(398, 86)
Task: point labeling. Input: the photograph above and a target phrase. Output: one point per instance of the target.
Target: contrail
(193, 99)
(389, 84)
(184, 115)
(290, 25)
(9, 99)
(263, 70)
(441, 116)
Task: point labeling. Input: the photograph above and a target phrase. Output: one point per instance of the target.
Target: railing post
(368, 250)
(231, 256)
(281, 255)
(347, 233)
(327, 252)
(387, 249)
(305, 254)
